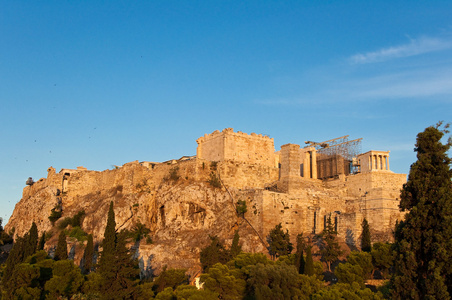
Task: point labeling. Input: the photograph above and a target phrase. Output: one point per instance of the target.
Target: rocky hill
(175, 201)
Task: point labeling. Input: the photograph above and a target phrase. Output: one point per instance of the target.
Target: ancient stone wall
(237, 146)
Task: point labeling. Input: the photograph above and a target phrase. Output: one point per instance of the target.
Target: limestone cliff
(181, 213)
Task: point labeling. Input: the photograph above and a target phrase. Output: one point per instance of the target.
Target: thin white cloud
(414, 47)
(414, 84)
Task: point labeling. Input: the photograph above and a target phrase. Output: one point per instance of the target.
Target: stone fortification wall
(359, 184)
(243, 175)
(237, 146)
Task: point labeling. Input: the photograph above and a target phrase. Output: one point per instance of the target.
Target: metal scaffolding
(336, 156)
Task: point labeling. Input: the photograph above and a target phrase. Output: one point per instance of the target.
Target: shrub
(78, 219)
(75, 221)
(78, 234)
(214, 180)
(241, 208)
(174, 174)
(65, 222)
(55, 214)
(139, 231)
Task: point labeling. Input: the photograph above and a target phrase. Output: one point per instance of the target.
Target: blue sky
(102, 83)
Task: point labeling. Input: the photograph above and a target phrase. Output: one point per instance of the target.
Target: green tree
(279, 242)
(349, 273)
(139, 231)
(109, 241)
(170, 278)
(192, 293)
(382, 257)
(423, 240)
(42, 241)
(366, 245)
(88, 255)
(61, 249)
(273, 281)
(118, 271)
(31, 242)
(309, 266)
(29, 277)
(300, 262)
(362, 259)
(219, 279)
(214, 253)
(352, 291)
(236, 248)
(330, 247)
(66, 280)
(15, 257)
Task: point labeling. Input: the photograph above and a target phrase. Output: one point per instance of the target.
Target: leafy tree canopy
(424, 239)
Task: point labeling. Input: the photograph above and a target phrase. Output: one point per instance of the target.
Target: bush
(75, 221)
(65, 222)
(78, 219)
(55, 214)
(214, 180)
(241, 208)
(78, 234)
(139, 231)
(174, 174)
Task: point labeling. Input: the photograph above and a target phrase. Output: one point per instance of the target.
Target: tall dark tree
(423, 241)
(42, 241)
(236, 248)
(366, 245)
(16, 256)
(214, 253)
(106, 261)
(31, 241)
(88, 255)
(109, 242)
(120, 279)
(61, 249)
(309, 266)
(300, 262)
(279, 242)
(118, 271)
(330, 247)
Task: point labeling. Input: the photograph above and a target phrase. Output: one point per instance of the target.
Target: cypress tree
(31, 241)
(119, 272)
(309, 266)
(88, 255)
(300, 262)
(120, 281)
(423, 240)
(106, 261)
(109, 242)
(61, 250)
(42, 241)
(330, 247)
(235, 247)
(366, 245)
(16, 256)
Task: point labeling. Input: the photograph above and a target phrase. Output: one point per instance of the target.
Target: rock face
(184, 201)
(181, 213)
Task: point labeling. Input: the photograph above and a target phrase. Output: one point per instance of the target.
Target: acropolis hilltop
(299, 186)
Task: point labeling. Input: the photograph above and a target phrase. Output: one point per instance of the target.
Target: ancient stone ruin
(183, 201)
(301, 186)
